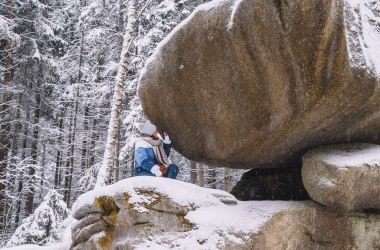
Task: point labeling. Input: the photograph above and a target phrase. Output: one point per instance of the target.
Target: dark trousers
(172, 172)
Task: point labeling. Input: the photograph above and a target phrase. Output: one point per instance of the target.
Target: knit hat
(147, 128)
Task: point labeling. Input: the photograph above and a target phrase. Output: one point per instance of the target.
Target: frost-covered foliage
(44, 225)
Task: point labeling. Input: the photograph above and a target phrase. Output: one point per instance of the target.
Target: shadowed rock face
(259, 83)
(270, 184)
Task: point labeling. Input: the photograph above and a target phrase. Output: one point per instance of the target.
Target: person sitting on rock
(151, 153)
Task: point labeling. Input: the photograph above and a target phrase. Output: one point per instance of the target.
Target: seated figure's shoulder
(140, 143)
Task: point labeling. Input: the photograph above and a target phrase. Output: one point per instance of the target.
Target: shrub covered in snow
(45, 224)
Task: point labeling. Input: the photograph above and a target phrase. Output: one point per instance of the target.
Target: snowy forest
(270, 110)
(59, 68)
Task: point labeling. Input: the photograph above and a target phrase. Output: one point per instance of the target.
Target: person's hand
(163, 169)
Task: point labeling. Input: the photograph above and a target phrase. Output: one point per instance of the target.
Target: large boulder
(255, 84)
(159, 213)
(345, 177)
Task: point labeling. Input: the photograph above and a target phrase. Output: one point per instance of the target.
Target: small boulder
(346, 176)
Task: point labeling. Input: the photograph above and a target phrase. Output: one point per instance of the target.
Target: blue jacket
(144, 155)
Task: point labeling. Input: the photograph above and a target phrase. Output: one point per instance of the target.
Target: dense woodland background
(58, 64)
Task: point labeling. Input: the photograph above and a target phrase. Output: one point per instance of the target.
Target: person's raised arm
(167, 143)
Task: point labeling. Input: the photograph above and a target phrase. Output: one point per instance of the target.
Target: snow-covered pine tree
(45, 224)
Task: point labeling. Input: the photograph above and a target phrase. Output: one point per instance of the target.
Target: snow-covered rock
(255, 84)
(45, 225)
(132, 210)
(159, 213)
(346, 177)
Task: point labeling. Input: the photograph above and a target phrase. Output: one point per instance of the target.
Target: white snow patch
(354, 158)
(363, 34)
(326, 183)
(218, 225)
(56, 246)
(235, 7)
(185, 194)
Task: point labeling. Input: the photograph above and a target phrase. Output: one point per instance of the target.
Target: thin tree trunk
(84, 161)
(93, 143)
(193, 172)
(58, 161)
(69, 176)
(228, 179)
(43, 170)
(201, 175)
(34, 148)
(117, 154)
(104, 175)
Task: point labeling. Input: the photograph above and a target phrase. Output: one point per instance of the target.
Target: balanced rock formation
(255, 84)
(345, 177)
(159, 213)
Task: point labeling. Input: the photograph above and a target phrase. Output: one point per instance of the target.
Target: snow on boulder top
(363, 33)
(348, 155)
(182, 193)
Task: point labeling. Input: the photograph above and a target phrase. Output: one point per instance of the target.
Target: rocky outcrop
(345, 177)
(255, 84)
(159, 213)
(270, 184)
(128, 213)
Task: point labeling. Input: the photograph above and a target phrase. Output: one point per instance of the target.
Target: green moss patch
(108, 209)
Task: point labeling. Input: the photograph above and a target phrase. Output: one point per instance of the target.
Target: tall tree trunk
(70, 165)
(23, 154)
(201, 175)
(58, 161)
(73, 123)
(84, 161)
(193, 172)
(4, 128)
(228, 179)
(104, 175)
(35, 139)
(93, 143)
(12, 165)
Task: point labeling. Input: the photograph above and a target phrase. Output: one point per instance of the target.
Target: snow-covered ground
(214, 225)
(215, 222)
